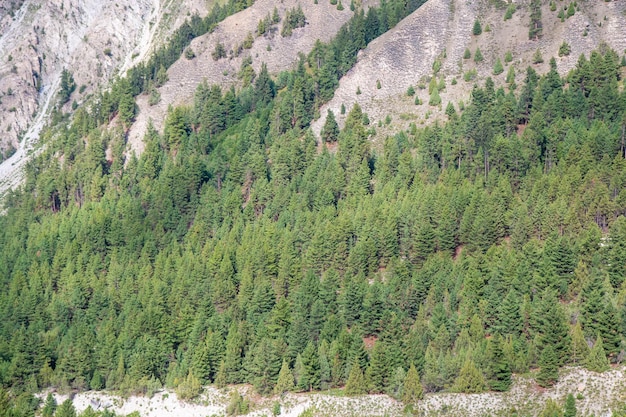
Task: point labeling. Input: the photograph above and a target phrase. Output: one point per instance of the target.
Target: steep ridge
(94, 39)
(442, 29)
(278, 52)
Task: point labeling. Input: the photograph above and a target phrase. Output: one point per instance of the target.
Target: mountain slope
(278, 52)
(93, 39)
(442, 29)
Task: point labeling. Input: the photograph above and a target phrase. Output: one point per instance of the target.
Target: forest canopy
(238, 249)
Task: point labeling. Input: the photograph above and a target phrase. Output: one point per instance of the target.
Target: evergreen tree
(499, 374)
(552, 409)
(396, 383)
(412, 390)
(498, 68)
(470, 379)
(330, 131)
(477, 29)
(597, 361)
(549, 367)
(311, 368)
(377, 371)
(478, 56)
(355, 385)
(285, 381)
(570, 406)
(66, 409)
(49, 406)
(580, 349)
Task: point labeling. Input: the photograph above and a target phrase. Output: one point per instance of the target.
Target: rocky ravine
(94, 39)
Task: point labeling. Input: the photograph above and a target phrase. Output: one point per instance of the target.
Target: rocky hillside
(93, 39)
(278, 52)
(442, 30)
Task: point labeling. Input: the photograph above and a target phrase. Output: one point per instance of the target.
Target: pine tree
(549, 367)
(478, 56)
(311, 367)
(285, 380)
(499, 368)
(552, 409)
(470, 379)
(66, 409)
(221, 378)
(396, 383)
(412, 387)
(356, 382)
(330, 131)
(498, 68)
(597, 361)
(477, 29)
(580, 349)
(377, 371)
(570, 406)
(49, 406)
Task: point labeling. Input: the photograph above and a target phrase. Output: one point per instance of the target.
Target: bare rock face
(93, 39)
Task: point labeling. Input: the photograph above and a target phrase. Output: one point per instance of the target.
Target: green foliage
(508, 57)
(230, 247)
(477, 29)
(570, 406)
(49, 406)
(499, 370)
(509, 12)
(410, 91)
(535, 29)
(294, 18)
(355, 385)
(549, 368)
(551, 409)
(470, 379)
(571, 10)
(467, 54)
(238, 405)
(190, 388)
(470, 75)
(450, 110)
(219, 52)
(67, 86)
(285, 381)
(66, 409)
(434, 99)
(564, 49)
(478, 56)
(412, 390)
(537, 57)
(330, 131)
(189, 53)
(498, 68)
(596, 360)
